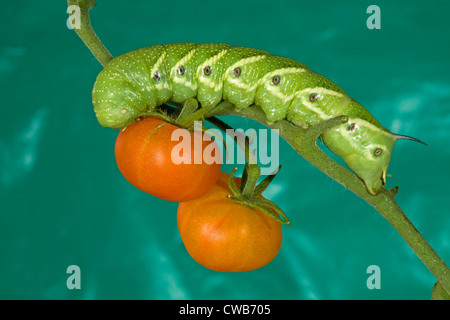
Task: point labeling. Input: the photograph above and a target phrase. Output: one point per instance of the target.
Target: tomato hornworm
(141, 80)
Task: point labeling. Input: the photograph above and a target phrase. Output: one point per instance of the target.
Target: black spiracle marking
(352, 127)
(276, 80)
(378, 152)
(313, 97)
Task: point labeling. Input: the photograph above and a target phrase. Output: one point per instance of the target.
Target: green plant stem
(252, 171)
(87, 34)
(305, 143)
(250, 191)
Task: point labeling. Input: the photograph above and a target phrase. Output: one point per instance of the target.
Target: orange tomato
(224, 235)
(143, 154)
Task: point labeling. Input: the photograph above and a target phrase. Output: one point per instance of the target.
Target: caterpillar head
(366, 148)
(370, 160)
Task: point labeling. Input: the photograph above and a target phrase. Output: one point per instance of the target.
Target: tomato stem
(87, 34)
(249, 192)
(251, 173)
(232, 185)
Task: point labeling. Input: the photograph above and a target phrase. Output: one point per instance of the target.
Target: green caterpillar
(141, 80)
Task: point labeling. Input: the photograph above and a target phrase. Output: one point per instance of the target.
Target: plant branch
(87, 34)
(252, 171)
(304, 141)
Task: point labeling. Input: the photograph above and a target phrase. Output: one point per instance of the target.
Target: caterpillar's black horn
(402, 137)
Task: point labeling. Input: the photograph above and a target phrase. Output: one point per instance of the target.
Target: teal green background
(64, 202)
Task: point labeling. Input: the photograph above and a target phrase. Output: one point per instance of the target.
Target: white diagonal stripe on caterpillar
(363, 123)
(157, 64)
(280, 72)
(320, 90)
(275, 90)
(182, 80)
(183, 60)
(239, 84)
(241, 63)
(309, 105)
(190, 84)
(208, 80)
(212, 60)
(368, 151)
(163, 85)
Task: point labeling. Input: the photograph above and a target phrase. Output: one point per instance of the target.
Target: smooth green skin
(283, 88)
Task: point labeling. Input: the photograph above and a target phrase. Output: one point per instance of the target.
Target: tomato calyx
(254, 198)
(249, 192)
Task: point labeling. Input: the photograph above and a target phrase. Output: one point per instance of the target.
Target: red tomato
(144, 156)
(224, 235)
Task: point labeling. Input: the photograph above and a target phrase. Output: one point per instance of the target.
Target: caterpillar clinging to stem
(141, 80)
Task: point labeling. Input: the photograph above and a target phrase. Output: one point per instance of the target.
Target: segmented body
(284, 88)
(141, 80)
